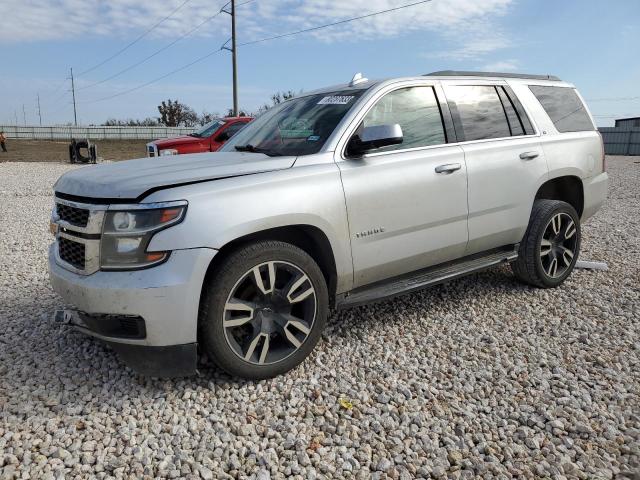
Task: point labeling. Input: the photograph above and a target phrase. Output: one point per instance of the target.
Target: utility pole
(234, 57)
(24, 116)
(39, 111)
(15, 115)
(73, 94)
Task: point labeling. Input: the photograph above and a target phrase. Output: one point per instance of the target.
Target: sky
(593, 44)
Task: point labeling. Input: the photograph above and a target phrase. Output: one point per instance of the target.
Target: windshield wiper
(250, 148)
(193, 135)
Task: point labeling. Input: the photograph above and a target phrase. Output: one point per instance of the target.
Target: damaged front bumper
(150, 317)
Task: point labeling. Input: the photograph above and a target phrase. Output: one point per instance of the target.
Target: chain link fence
(92, 133)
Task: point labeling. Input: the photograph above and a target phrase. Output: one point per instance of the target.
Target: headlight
(126, 235)
(168, 151)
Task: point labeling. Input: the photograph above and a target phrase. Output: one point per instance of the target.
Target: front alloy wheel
(269, 312)
(263, 310)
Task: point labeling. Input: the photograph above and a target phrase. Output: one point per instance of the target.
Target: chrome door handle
(448, 168)
(528, 155)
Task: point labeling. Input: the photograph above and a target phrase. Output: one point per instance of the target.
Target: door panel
(403, 216)
(502, 187)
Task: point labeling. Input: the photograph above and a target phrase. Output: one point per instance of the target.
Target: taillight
(604, 158)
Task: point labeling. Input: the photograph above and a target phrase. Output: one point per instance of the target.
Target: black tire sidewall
(560, 207)
(217, 291)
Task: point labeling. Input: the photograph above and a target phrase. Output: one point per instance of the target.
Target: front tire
(551, 245)
(264, 310)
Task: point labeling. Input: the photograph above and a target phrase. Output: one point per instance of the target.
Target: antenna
(357, 78)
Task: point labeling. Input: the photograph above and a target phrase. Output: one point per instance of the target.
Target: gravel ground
(481, 378)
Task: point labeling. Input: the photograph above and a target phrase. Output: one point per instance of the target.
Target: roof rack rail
(455, 73)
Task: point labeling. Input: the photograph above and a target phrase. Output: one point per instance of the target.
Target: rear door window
(564, 107)
(477, 112)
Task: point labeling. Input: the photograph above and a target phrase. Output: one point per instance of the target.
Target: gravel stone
(479, 378)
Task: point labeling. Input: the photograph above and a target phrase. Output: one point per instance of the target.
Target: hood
(131, 179)
(174, 141)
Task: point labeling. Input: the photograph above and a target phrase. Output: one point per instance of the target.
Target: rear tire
(551, 245)
(264, 310)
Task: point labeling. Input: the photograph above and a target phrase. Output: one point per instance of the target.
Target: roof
(366, 84)
(628, 118)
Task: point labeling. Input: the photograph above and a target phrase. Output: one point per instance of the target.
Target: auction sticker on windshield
(336, 100)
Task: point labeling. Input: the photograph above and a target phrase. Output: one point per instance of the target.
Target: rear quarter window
(564, 107)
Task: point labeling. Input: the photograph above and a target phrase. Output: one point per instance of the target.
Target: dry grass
(58, 151)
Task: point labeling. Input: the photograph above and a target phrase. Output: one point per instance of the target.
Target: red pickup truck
(208, 139)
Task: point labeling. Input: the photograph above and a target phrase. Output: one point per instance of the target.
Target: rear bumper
(595, 193)
(164, 298)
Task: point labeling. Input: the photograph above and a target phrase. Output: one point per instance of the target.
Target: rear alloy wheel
(264, 310)
(558, 245)
(550, 247)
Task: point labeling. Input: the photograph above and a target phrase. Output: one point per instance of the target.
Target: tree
(147, 122)
(176, 114)
(207, 117)
(276, 99)
(241, 113)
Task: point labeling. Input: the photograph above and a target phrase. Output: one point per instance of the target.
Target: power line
(613, 99)
(340, 22)
(622, 115)
(179, 69)
(213, 52)
(140, 37)
(160, 50)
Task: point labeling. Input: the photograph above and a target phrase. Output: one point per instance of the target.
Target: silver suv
(335, 198)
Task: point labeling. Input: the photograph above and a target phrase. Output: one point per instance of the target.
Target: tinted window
(477, 112)
(515, 126)
(564, 107)
(522, 115)
(416, 110)
(233, 129)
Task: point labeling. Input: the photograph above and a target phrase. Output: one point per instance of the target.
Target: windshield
(208, 129)
(299, 126)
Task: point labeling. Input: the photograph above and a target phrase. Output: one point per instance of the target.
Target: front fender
(223, 210)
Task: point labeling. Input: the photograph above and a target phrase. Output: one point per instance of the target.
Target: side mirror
(377, 136)
(223, 137)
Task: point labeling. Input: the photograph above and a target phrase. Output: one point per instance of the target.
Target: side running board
(427, 277)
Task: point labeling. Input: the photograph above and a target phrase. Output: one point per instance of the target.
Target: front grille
(72, 252)
(75, 216)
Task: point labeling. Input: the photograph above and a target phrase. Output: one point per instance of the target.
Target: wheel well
(306, 237)
(568, 189)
